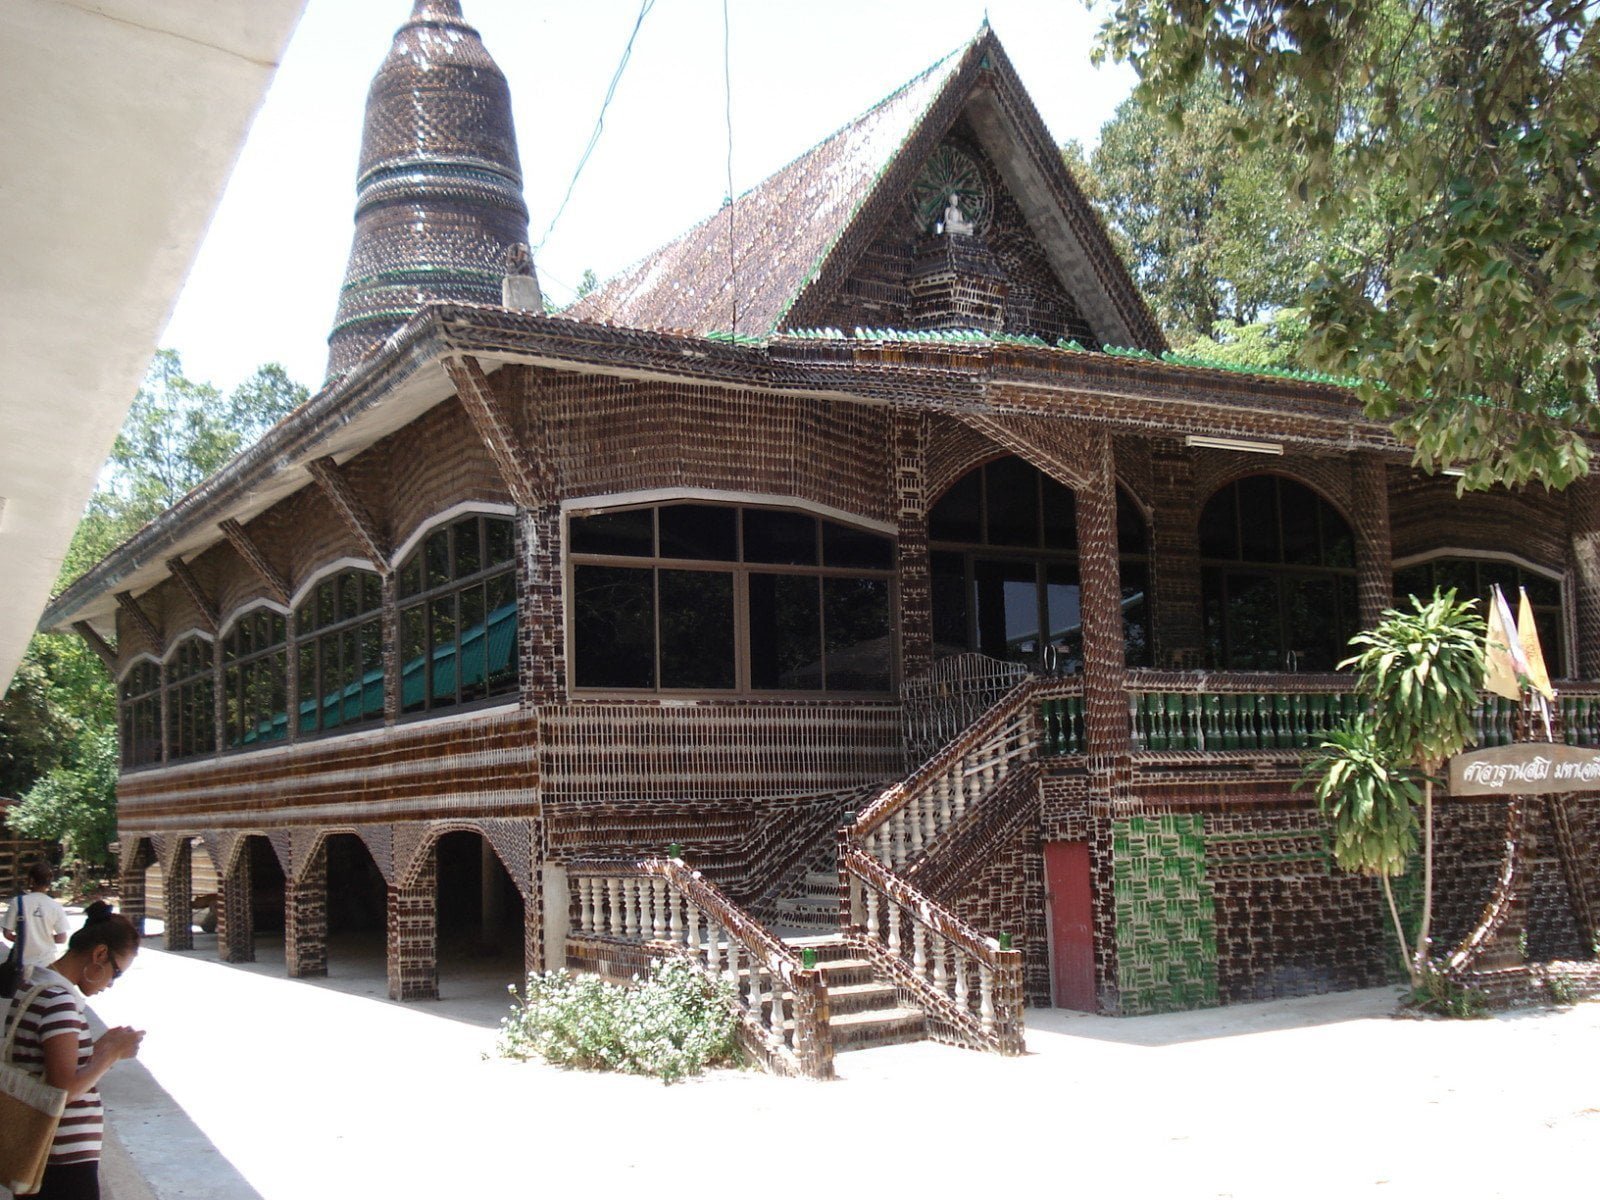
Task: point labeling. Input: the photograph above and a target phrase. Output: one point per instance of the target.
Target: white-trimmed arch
(347, 563)
(180, 639)
(248, 607)
(142, 656)
(488, 508)
(581, 506)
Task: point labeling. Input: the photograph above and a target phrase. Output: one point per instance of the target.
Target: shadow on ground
(472, 988)
(1209, 1024)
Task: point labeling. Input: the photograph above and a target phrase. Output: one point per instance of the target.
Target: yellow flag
(1501, 650)
(1528, 635)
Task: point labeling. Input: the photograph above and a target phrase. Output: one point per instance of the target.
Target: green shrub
(673, 1024)
(1441, 996)
(1562, 991)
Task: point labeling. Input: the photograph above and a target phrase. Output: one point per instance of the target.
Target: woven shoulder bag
(30, 1109)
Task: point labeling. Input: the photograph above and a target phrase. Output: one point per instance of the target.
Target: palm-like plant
(1421, 671)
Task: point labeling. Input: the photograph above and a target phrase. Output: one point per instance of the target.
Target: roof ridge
(861, 118)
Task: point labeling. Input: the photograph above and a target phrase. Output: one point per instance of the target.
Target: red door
(1068, 888)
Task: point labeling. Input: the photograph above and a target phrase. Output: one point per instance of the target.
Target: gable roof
(797, 234)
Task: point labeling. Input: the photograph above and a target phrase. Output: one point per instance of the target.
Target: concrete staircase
(863, 1008)
(813, 907)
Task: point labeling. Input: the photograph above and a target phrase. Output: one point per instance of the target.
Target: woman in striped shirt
(53, 1041)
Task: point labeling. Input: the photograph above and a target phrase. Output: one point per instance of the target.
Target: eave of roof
(404, 378)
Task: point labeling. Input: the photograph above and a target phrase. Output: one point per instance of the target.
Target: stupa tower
(439, 189)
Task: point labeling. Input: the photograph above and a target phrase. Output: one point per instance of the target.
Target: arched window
(1003, 553)
(702, 597)
(255, 669)
(339, 641)
(1278, 582)
(458, 615)
(1473, 578)
(191, 700)
(140, 701)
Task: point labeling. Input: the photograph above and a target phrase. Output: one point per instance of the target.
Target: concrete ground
(253, 1085)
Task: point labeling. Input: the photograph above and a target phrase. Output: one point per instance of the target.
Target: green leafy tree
(261, 401)
(1468, 131)
(176, 433)
(76, 804)
(58, 720)
(1422, 671)
(1200, 220)
(34, 732)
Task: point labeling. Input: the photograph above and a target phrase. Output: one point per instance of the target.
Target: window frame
(1042, 557)
(740, 569)
(175, 689)
(416, 551)
(1562, 610)
(255, 655)
(1282, 572)
(127, 711)
(311, 640)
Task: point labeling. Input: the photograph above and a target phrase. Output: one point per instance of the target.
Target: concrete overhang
(123, 119)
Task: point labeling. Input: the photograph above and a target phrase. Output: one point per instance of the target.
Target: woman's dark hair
(40, 874)
(103, 926)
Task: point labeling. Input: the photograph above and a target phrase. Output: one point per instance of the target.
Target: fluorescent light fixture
(1457, 472)
(1219, 443)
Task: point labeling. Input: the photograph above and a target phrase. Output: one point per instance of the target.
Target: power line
(600, 121)
(727, 113)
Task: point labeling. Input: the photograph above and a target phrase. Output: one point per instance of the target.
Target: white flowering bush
(673, 1024)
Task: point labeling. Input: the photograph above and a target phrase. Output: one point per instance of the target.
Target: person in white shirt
(46, 920)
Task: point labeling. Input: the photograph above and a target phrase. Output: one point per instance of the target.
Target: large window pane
(1219, 526)
(1301, 544)
(696, 629)
(1312, 608)
(846, 547)
(1254, 632)
(468, 548)
(474, 647)
(856, 639)
(785, 633)
(1063, 613)
(779, 537)
(413, 659)
(1136, 615)
(613, 634)
(1060, 517)
(1011, 495)
(957, 517)
(630, 532)
(699, 531)
(948, 584)
(1006, 602)
(436, 558)
(1258, 519)
(502, 601)
(1132, 536)
(442, 656)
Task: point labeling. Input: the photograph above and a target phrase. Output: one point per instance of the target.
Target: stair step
(861, 997)
(877, 1027)
(820, 905)
(824, 944)
(823, 881)
(845, 972)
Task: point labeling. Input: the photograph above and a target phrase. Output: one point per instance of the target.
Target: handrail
(661, 903)
(910, 813)
(944, 700)
(944, 955)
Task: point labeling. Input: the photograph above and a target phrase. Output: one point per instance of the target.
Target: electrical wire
(727, 113)
(600, 121)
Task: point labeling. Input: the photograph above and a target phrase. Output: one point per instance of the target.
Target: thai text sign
(1525, 769)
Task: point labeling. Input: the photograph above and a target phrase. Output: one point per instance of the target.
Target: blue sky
(265, 281)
